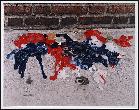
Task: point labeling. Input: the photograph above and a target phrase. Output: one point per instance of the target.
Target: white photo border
(71, 107)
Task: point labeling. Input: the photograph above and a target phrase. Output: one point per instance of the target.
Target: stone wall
(72, 15)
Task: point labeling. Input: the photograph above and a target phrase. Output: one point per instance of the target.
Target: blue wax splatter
(22, 55)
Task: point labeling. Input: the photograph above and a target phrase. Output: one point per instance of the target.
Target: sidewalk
(118, 91)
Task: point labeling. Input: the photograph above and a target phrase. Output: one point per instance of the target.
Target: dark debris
(82, 80)
(29, 80)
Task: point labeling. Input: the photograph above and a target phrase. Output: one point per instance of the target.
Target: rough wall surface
(58, 16)
(33, 90)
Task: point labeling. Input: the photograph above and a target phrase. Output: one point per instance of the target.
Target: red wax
(29, 38)
(123, 41)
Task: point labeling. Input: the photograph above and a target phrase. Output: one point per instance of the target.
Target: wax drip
(22, 55)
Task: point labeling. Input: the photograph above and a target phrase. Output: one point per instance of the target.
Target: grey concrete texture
(33, 90)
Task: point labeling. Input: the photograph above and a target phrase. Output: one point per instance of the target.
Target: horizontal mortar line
(9, 16)
(65, 30)
(41, 4)
(43, 16)
(128, 14)
(99, 4)
(71, 4)
(102, 14)
(71, 25)
(79, 28)
(115, 24)
(110, 4)
(57, 16)
(104, 26)
(26, 16)
(121, 4)
(18, 4)
(93, 25)
(106, 14)
(120, 15)
(28, 27)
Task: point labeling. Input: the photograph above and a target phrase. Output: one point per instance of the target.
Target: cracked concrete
(33, 90)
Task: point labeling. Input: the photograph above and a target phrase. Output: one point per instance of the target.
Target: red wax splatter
(96, 33)
(49, 42)
(29, 38)
(103, 78)
(61, 61)
(112, 66)
(123, 41)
